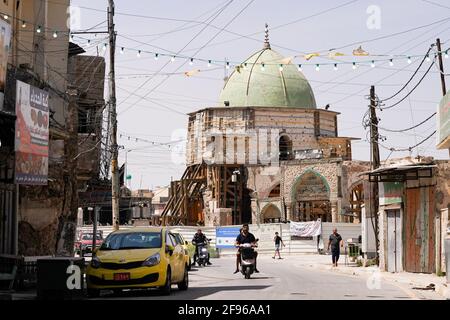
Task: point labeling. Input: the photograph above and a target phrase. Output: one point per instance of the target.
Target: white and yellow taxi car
(148, 257)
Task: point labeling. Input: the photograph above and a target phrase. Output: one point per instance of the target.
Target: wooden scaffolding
(185, 205)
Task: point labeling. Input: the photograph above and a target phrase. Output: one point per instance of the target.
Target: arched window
(275, 192)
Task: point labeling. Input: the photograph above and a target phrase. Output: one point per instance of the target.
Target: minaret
(266, 38)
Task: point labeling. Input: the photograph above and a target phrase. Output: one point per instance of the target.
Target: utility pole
(441, 66)
(375, 163)
(113, 114)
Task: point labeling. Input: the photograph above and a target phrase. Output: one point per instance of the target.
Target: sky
(153, 98)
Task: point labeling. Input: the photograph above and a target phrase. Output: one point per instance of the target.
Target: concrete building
(267, 153)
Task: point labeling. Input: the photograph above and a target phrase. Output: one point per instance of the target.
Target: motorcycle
(202, 253)
(248, 259)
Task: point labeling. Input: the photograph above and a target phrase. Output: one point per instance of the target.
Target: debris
(431, 286)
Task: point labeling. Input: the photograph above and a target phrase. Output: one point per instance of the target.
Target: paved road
(283, 279)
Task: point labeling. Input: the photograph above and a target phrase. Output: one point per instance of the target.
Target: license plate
(121, 276)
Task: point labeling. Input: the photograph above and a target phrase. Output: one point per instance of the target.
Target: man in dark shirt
(335, 241)
(199, 238)
(278, 241)
(244, 237)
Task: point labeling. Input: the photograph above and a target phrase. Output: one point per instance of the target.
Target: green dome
(253, 87)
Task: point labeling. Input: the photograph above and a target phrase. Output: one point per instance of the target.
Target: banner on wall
(306, 229)
(32, 129)
(5, 41)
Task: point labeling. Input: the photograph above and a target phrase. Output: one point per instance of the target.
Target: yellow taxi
(188, 250)
(148, 257)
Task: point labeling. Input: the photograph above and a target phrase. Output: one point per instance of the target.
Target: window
(132, 240)
(285, 146)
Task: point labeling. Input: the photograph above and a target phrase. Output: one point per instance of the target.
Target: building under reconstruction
(267, 153)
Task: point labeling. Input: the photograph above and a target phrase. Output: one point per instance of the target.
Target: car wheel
(93, 293)
(184, 285)
(165, 290)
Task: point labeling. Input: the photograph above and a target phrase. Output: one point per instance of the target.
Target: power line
(411, 91)
(211, 18)
(411, 78)
(409, 148)
(410, 128)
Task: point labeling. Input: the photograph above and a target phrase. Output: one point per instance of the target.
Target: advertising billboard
(5, 42)
(443, 123)
(32, 129)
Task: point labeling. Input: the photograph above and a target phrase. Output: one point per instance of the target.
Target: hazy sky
(296, 27)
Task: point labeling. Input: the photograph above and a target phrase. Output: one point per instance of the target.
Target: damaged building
(267, 153)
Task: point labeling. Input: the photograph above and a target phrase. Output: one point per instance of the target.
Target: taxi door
(178, 255)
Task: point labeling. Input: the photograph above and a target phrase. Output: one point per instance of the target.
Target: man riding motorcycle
(245, 237)
(199, 239)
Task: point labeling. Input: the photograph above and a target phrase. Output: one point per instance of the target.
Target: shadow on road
(190, 294)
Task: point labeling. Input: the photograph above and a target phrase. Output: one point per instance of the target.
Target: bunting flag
(311, 55)
(191, 73)
(333, 55)
(360, 52)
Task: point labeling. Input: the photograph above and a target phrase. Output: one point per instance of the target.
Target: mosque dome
(260, 82)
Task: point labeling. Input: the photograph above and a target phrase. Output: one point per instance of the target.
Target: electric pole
(374, 130)
(113, 114)
(441, 66)
(375, 161)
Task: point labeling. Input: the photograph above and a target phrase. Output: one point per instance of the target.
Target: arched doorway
(285, 147)
(271, 214)
(311, 195)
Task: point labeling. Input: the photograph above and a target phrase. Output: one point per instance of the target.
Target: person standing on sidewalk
(336, 243)
(278, 241)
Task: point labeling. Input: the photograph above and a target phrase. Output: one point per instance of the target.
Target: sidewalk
(406, 280)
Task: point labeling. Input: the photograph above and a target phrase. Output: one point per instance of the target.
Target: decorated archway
(311, 198)
(270, 214)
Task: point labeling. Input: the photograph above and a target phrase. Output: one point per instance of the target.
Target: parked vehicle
(189, 252)
(248, 259)
(138, 258)
(84, 243)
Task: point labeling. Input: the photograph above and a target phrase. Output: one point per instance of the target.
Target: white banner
(306, 229)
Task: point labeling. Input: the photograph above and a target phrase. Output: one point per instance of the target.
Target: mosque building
(267, 153)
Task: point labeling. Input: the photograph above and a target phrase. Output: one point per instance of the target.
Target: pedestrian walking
(336, 243)
(278, 242)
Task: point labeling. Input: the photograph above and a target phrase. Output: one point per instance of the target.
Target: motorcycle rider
(244, 237)
(200, 238)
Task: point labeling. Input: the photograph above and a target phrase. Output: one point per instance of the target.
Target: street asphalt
(286, 279)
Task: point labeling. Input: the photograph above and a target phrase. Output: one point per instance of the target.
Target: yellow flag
(311, 55)
(335, 54)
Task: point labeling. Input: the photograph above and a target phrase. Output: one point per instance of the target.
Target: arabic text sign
(306, 229)
(226, 237)
(32, 130)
